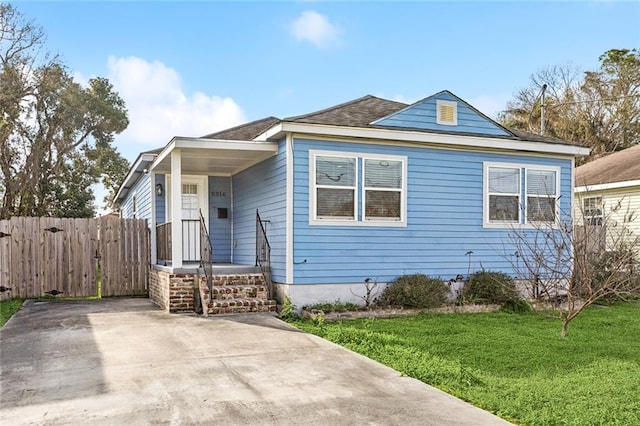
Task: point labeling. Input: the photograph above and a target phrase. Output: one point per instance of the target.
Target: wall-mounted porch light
(159, 190)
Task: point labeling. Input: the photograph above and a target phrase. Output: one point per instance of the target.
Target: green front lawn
(8, 308)
(514, 365)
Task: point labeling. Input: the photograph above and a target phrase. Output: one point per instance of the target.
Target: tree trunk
(565, 327)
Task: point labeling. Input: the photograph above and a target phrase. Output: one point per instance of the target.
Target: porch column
(176, 208)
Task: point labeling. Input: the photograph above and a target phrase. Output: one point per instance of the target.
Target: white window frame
(359, 218)
(522, 197)
(440, 120)
(588, 219)
(526, 195)
(314, 187)
(365, 188)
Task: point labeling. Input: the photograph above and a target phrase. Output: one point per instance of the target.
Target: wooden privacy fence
(78, 257)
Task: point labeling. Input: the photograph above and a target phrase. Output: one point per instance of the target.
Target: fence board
(34, 261)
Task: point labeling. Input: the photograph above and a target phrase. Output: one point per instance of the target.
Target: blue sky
(190, 68)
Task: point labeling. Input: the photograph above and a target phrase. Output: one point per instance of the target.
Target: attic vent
(447, 113)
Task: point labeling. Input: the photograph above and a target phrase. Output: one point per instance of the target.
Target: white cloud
(158, 107)
(315, 28)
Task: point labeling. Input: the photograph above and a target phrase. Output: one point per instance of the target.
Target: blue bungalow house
(310, 206)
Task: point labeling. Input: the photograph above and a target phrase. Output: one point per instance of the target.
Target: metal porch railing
(263, 253)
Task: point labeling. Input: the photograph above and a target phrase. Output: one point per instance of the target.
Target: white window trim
(526, 195)
(523, 222)
(439, 119)
(487, 194)
(359, 219)
(586, 217)
(402, 190)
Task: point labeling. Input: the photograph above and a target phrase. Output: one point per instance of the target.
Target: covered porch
(193, 203)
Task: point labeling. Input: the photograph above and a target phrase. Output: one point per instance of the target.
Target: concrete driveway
(123, 361)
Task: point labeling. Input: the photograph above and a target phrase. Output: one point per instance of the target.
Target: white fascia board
(606, 186)
(137, 167)
(423, 137)
(200, 143)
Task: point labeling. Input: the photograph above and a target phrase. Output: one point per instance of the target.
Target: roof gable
(423, 115)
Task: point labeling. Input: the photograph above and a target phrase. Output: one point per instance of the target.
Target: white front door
(190, 222)
(193, 200)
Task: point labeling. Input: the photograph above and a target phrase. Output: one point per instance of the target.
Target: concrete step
(241, 306)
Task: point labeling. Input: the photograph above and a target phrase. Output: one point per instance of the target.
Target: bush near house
(415, 291)
(486, 287)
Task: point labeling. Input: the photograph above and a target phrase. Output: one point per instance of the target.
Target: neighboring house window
(508, 201)
(134, 206)
(593, 211)
(341, 182)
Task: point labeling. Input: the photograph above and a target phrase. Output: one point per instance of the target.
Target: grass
(514, 365)
(8, 308)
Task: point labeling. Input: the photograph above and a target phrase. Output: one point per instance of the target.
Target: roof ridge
(338, 106)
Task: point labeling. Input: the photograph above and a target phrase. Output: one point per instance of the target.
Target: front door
(190, 223)
(192, 201)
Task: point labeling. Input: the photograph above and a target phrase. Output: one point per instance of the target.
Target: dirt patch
(397, 312)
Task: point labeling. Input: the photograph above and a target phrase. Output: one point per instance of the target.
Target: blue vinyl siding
(142, 191)
(161, 201)
(422, 115)
(263, 187)
(220, 228)
(444, 219)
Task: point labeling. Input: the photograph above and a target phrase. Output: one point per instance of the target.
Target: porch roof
(213, 157)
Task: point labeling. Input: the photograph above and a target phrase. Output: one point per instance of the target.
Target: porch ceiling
(214, 157)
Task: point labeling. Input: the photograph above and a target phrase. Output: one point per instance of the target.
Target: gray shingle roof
(356, 113)
(245, 132)
(619, 166)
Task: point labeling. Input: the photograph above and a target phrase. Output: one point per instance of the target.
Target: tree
(598, 108)
(55, 134)
(574, 264)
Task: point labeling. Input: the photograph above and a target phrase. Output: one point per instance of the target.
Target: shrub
(415, 291)
(490, 287)
(288, 311)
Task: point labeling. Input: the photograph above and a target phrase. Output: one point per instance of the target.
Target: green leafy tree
(56, 135)
(598, 108)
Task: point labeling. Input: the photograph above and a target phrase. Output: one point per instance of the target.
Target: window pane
(384, 204)
(335, 202)
(503, 208)
(504, 180)
(541, 209)
(382, 173)
(541, 182)
(335, 171)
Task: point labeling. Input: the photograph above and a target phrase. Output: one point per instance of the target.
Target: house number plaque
(219, 194)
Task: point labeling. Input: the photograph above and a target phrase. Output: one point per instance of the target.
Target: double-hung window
(520, 194)
(592, 211)
(357, 189)
(335, 187)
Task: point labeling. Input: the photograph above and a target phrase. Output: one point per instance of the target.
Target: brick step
(239, 292)
(241, 306)
(238, 280)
